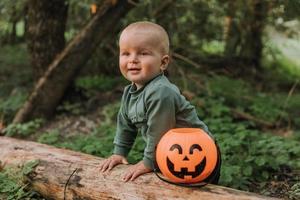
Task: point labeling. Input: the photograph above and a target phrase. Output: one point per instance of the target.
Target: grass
(13, 185)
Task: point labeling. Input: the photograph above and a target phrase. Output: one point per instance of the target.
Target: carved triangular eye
(176, 146)
(195, 146)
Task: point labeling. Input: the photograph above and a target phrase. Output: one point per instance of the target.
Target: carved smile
(184, 171)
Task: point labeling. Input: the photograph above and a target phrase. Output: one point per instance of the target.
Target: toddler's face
(141, 58)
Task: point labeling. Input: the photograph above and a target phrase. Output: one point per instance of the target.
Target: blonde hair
(156, 30)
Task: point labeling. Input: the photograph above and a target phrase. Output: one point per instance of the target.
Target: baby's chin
(138, 80)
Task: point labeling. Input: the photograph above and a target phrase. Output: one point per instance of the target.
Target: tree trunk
(45, 36)
(232, 32)
(50, 88)
(14, 20)
(65, 174)
(254, 22)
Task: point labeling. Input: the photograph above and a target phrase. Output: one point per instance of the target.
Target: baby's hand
(136, 170)
(111, 162)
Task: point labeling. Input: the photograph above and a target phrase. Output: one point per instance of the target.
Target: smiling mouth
(184, 170)
(134, 70)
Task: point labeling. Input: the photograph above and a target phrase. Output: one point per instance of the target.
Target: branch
(247, 116)
(187, 60)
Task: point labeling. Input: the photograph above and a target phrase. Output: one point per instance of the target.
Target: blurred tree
(232, 30)
(51, 86)
(11, 13)
(14, 18)
(45, 32)
(253, 23)
(287, 10)
(243, 31)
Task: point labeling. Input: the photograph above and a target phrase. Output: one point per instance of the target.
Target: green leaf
(28, 167)
(265, 174)
(247, 171)
(260, 161)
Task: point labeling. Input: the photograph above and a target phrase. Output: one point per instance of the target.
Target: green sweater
(153, 110)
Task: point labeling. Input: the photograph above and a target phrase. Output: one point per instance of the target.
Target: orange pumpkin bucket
(187, 155)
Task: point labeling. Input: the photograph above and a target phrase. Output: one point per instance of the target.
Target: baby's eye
(145, 53)
(124, 53)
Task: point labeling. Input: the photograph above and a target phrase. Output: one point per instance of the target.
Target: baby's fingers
(104, 165)
(135, 175)
(127, 176)
(112, 164)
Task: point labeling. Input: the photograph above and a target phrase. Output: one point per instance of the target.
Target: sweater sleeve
(125, 134)
(161, 109)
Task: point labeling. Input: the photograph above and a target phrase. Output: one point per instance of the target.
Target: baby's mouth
(134, 69)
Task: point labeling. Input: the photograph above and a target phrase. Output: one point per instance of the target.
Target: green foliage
(50, 137)
(276, 59)
(8, 10)
(14, 55)
(24, 129)
(250, 157)
(267, 109)
(10, 105)
(13, 186)
(94, 84)
(29, 166)
(253, 157)
(95, 143)
(237, 94)
(99, 142)
(109, 113)
(137, 152)
(213, 47)
(230, 89)
(13, 91)
(292, 107)
(71, 108)
(12, 190)
(294, 192)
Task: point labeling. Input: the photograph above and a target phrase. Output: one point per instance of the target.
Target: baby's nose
(133, 58)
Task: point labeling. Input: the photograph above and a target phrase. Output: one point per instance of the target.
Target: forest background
(238, 62)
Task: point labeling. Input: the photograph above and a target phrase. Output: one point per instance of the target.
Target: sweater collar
(133, 89)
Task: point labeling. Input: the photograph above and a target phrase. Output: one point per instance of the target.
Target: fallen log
(65, 174)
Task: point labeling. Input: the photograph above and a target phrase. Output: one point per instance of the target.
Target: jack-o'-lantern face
(186, 155)
(187, 165)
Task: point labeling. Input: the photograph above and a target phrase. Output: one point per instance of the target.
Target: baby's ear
(164, 62)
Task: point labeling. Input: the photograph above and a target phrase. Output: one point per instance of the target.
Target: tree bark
(254, 23)
(51, 86)
(45, 36)
(14, 20)
(65, 174)
(232, 32)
